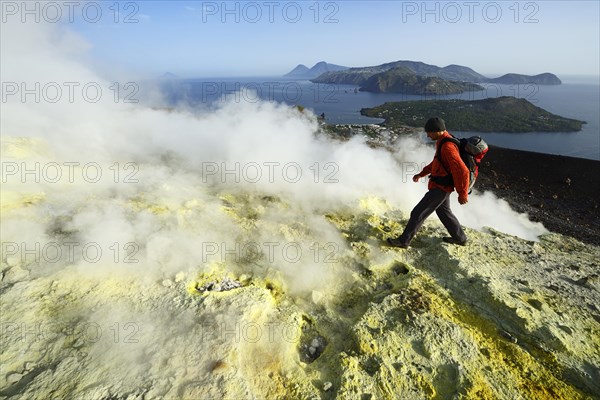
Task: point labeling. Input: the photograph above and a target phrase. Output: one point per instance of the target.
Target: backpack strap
(445, 180)
(438, 153)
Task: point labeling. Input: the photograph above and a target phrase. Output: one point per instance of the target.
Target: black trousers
(434, 200)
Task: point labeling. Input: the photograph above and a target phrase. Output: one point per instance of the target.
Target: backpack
(471, 150)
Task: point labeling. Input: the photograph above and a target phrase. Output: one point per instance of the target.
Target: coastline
(560, 192)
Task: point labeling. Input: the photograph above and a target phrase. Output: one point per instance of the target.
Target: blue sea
(577, 97)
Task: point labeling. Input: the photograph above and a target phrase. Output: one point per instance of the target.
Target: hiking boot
(451, 240)
(396, 242)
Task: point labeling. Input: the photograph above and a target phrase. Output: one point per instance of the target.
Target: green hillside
(502, 114)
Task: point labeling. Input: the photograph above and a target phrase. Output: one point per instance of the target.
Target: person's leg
(450, 221)
(430, 202)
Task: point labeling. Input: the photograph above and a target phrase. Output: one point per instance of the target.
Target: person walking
(447, 171)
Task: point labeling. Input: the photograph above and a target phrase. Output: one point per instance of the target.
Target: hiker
(446, 164)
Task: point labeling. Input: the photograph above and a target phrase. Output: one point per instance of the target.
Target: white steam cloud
(171, 159)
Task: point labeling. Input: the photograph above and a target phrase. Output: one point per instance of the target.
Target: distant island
(168, 75)
(358, 75)
(541, 79)
(501, 114)
(303, 72)
(384, 78)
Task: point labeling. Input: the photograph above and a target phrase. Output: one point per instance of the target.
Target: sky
(269, 38)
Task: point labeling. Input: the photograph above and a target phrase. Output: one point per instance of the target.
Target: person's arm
(426, 171)
(459, 171)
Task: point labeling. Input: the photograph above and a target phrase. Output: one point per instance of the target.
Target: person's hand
(416, 178)
(463, 200)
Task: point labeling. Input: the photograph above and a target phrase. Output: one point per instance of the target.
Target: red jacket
(458, 169)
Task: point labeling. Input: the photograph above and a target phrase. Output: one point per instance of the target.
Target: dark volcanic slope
(561, 192)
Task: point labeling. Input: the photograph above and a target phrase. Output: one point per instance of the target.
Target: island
(303, 72)
(358, 75)
(455, 73)
(541, 79)
(403, 80)
(501, 114)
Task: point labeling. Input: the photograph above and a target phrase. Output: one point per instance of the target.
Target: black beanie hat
(435, 124)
